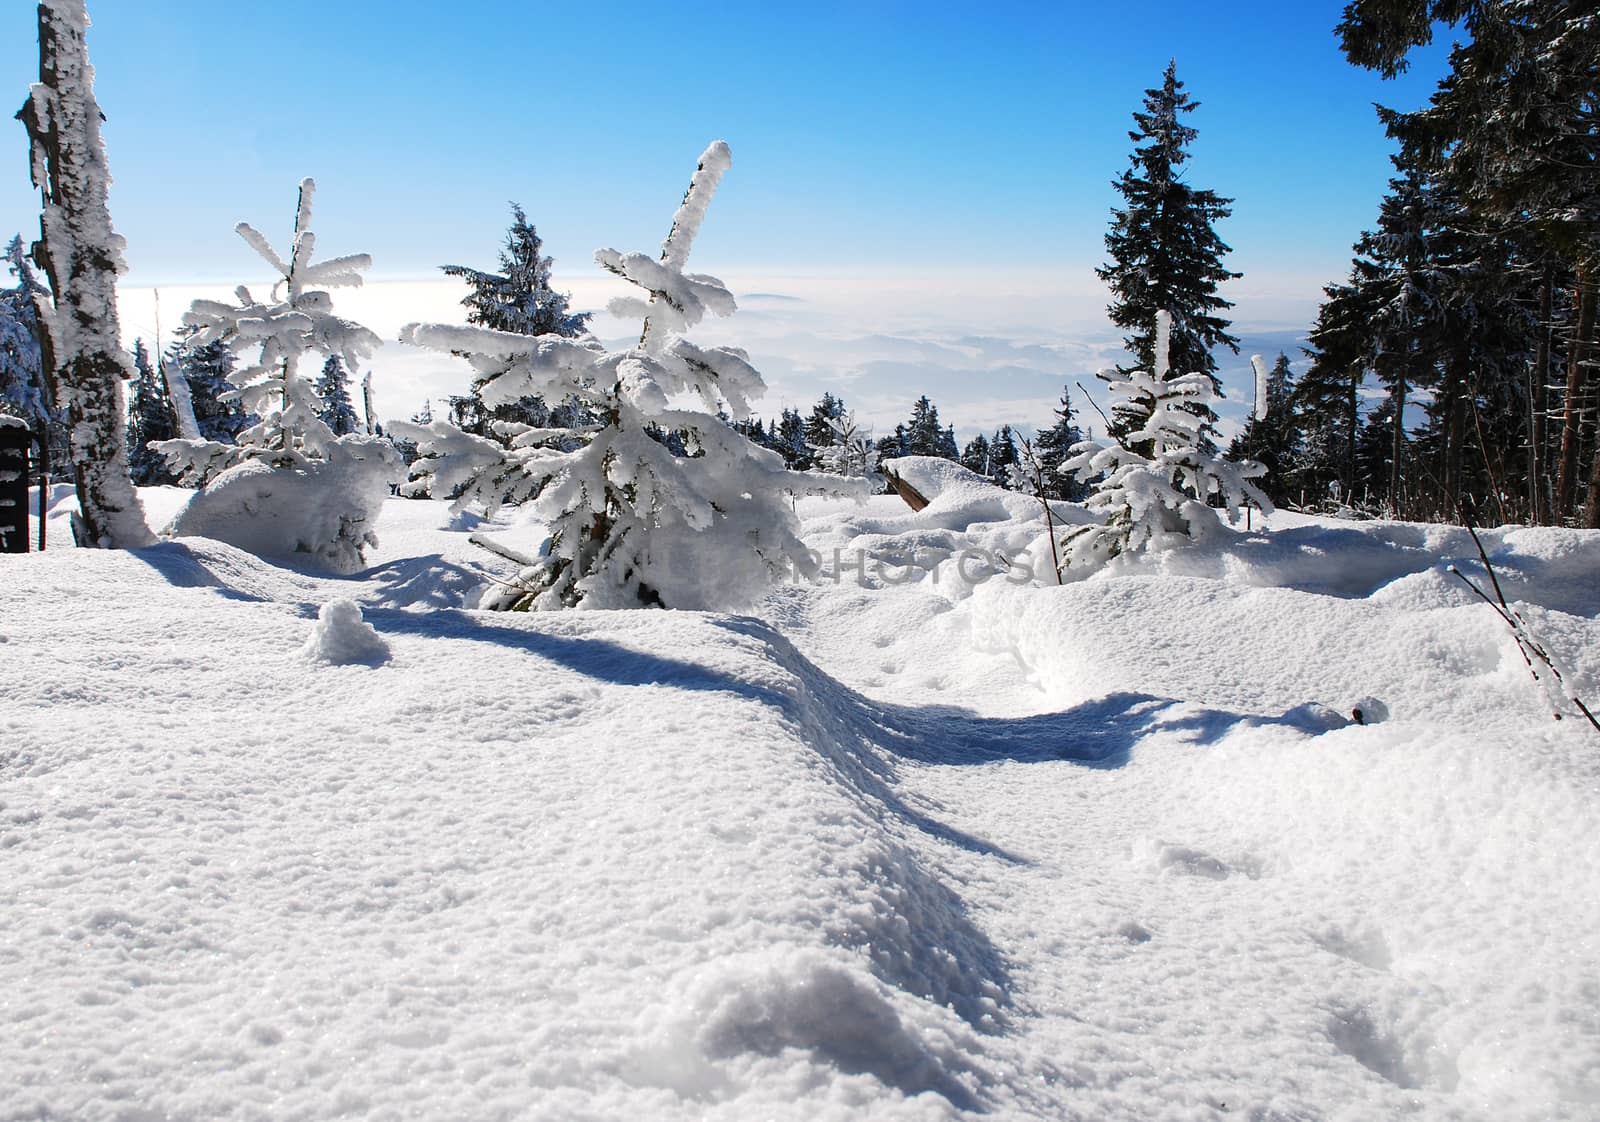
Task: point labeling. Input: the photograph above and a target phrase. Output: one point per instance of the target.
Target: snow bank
(903, 848)
(323, 513)
(657, 875)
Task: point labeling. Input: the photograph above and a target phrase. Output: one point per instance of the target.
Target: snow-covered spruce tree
(333, 387)
(1157, 500)
(792, 444)
(289, 485)
(1052, 447)
(821, 424)
(1164, 253)
(82, 256)
(1002, 455)
(631, 524)
(150, 420)
(976, 455)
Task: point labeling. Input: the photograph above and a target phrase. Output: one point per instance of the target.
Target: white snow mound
(340, 636)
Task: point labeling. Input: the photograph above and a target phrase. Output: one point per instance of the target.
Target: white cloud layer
(988, 348)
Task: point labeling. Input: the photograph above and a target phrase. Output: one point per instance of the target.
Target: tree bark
(1591, 508)
(82, 256)
(1572, 412)
(1398, 443)
(1538, 403)
(1350, 437)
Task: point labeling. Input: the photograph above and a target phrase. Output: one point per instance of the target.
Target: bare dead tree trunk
(1538, 403)
(1398, 441)
(1591, 508)
(82, 256)
(1354, 403)
(1572, 410)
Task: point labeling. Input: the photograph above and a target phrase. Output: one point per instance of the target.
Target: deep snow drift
(923, 840)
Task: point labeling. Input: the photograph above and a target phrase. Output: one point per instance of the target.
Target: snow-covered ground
(276, 845)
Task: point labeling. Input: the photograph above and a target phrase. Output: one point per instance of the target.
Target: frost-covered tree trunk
(82, 255)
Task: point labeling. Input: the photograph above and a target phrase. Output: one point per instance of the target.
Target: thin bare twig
(1527, 644)
(1090, 399)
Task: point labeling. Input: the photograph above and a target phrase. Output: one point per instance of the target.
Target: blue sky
(871, 134)
(953, 143)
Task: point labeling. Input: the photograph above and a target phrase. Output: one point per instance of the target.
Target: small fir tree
(792, 444)
(1002, 456)
(632, 524)
(150, 421)
(206, 370)
(319, 490)
(1270, 436)
(924, 436)
(1158, 499)
(825, 415)
(338, 411)
(851, 452)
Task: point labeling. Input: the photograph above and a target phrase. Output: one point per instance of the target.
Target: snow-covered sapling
(632, 524)
(851, 452)
(1027, 474)
(345, 478)
(1158, 496)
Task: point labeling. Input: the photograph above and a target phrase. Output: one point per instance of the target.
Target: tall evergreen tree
(1327, 399)
(338, 411)
(924, 436)
(975, 456)
(150, 418)
(1051, 447)
(517, 299)
(1164, 253)
(1003, 455)
(1512, 128)
(825, 415)
(791, 443)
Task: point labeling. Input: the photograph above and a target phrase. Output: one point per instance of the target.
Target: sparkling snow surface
(903, 848)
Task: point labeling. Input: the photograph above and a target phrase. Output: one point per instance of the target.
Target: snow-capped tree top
(299, 271)
(1258, 363)
(714, 161)
(678, 300)
(299, 318)
(1163, 343)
